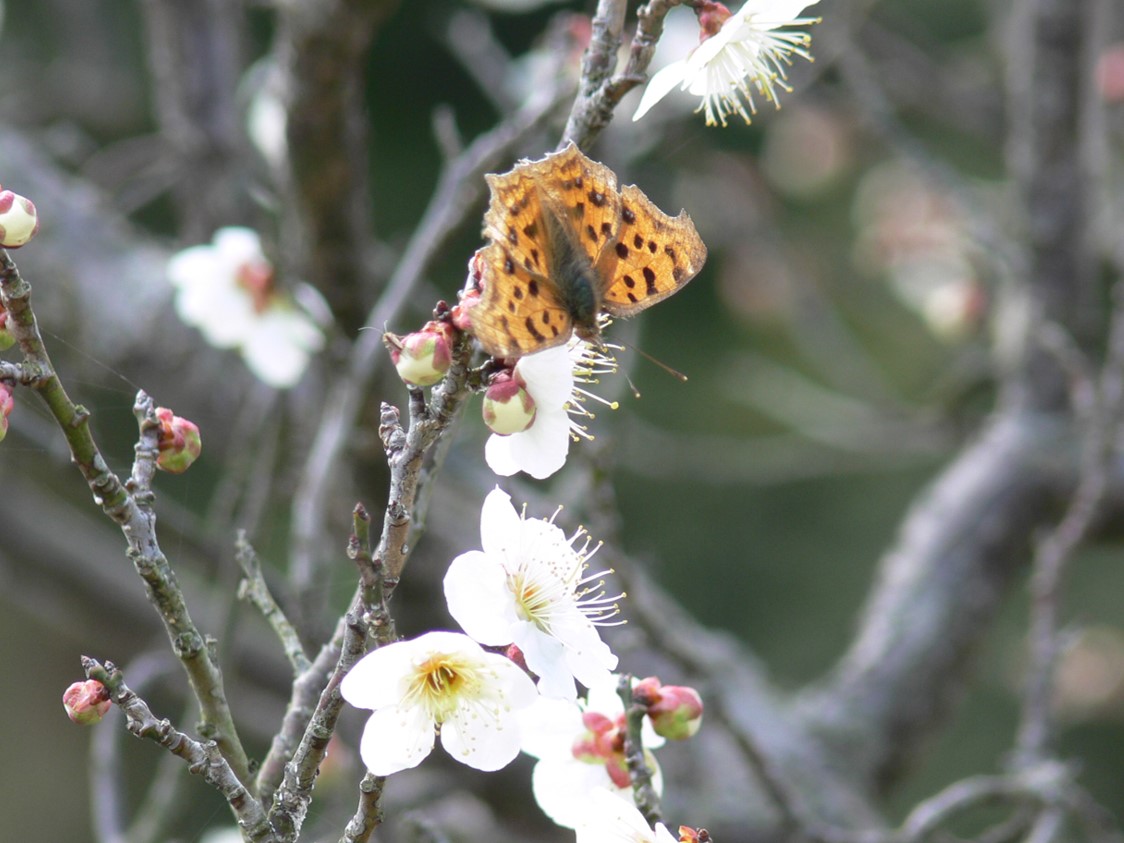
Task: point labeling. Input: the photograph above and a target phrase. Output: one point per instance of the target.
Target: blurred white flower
(227, 291)
(528, 587)
(745, 48)
(914, 236)
(439, 683)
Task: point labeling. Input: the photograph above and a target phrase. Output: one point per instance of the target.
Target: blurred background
(840, 345)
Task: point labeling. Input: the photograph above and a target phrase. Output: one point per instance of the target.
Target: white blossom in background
(227, 290)
(579, 747)
(741, 51)
(608, 819)
(528, 587)
(441, 683)
(553, 379)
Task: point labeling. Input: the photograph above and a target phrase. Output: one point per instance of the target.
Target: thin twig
(1101, 410)
(254, 589)
(204, 758)
(129, 505)
(368, 816)
(640, 774)
(290, 801)
(599, 91)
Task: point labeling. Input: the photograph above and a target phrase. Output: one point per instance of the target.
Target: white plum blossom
(579, 752)
(439, 683)
(552, 378)
(528, 587)
(748, 47)
(608, 819)
(227, 291)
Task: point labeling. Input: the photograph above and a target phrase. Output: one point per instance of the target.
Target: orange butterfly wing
(653, 257)
(519, 311)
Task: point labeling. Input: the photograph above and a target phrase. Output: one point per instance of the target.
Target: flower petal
(499, 522)
(499, 456)
(541, 449)
(377, 679)
(272, 355)
(549, 376)
(562, 788)
(395, 739)
(478, 598)
(481, 741)
(546, 657)
(484, 732)
(549, 726)
(659, 86)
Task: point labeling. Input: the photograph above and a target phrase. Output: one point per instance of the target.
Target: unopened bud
(675, 710)
(7, 338)
(508, 407)
(86, 702)
(18, 220)
(693, 835)
(6, 404)
(423, 357)
(516, 655)
(711, 16)
(469, 297)
(179, 442)
(461, 313)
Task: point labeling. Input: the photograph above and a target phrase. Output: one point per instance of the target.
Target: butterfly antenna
(675, 373)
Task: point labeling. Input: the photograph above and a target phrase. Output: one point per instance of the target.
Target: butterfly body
(565, 245)
(575, 280)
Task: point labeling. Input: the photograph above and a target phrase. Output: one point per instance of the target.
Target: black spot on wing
(532, 328)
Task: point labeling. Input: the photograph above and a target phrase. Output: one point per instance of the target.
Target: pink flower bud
(469, 297)
(516, 655)
(711, 16)
(618, 771)
(180, 444)
(18, 220)
(597, 722)
(6, 404)
(86, 702)
(675, 710)
(423, 357)
(508, 407)
(462, 310)
(7, 338)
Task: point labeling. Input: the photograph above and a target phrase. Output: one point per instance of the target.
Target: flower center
(531, 600)
(256, 277)
(440, 683)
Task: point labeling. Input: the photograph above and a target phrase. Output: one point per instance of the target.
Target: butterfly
(565, 244)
